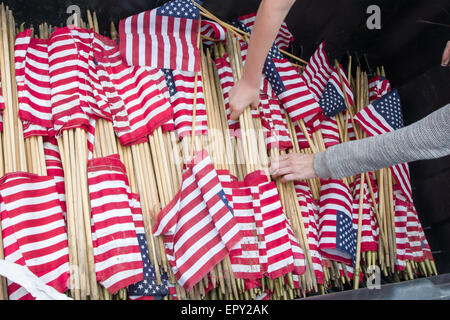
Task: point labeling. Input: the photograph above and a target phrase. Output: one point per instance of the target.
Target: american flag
(33, 84)
(286, 82)
(401, 236)
(318, 72)
(310, 212)
(378, 87)
(181, 85)
(273, 120)
(148, 286)
(117, 256)
(284, 36)
(268, 246)
(333, 100)
(225, 73)
(213, 30)
(34, 230)
(68, 108)
(55, 168)
(382, 116)
(330, 132)
(162, 38)
(369, 228)
(198, 225)
(337, 235)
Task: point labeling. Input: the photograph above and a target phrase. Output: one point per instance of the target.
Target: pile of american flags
(123, 176)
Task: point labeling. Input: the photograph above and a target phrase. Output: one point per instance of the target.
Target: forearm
(428, 138)
(270, 16)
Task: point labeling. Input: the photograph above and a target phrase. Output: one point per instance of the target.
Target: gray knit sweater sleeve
(428, 138)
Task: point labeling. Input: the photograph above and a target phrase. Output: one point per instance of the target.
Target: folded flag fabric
(382, 116)
(310, 212)
(273, 120)
(198, 225)
(117, 257)
(284, 36)
(68, 108)
(403, 252)
(33, 84)
(337, 236)
(369, 228)
(162, 38)
(378, 87)
(34, 231)
(213, 30)
(55, 169)
(135, 99)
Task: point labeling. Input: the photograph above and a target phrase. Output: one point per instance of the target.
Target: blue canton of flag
(346, 236)
(390, 108)
(168, 74)
(180, 9)
(225, 200)
(332, 102)
(148, 286)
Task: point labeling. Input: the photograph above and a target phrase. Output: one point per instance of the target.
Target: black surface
(432, 288)
(409, 50)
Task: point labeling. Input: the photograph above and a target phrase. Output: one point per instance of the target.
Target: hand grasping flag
(382, 116)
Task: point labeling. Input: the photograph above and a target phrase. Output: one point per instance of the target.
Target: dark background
(409, 49)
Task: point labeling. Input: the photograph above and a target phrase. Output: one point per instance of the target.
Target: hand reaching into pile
(293, 166)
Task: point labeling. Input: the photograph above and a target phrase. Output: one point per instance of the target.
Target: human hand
(446, 56)
(293, 166)
(241, 96)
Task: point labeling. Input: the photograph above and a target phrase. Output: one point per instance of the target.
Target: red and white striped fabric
(246, 256)
(134, 95)
(284, 37)
(33, 229)
(55, 168)
(330, 132)
(297, 99)
(162, 38)
(401, 235)
(198, 225)
(273, 120)
(413, 232)
(118, 260)
(268, 247)
(183, 104)
(33, 84)
(369, 229)
(310, 212)
(226, 79)
(378, 87)
(317, 72)
(212, 30)
(66, 94)
(335, 198)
